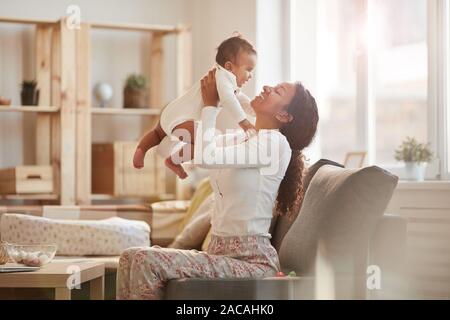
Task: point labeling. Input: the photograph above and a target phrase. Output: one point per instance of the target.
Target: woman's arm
(246, 104)
(259, 151)
(228, 99)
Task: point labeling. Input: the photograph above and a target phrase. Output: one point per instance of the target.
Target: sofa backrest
(282, 224)
(340, 210)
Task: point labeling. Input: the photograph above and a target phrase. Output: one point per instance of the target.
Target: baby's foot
(177, 168)
(138, 159)
(249, 134)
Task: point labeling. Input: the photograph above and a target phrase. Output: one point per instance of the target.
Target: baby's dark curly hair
(299, 133)
(229, 49)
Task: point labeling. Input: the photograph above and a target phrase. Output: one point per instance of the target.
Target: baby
(236, 59)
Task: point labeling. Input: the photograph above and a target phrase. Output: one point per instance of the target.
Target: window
(336, 89)
(376, 66)
(325, 43)
(399, 57)
(446, 85)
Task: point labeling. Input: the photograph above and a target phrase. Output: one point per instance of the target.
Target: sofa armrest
(387, 251)
(240, 289)
(171, 206)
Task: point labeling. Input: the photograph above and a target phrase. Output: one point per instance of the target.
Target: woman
(245, 195)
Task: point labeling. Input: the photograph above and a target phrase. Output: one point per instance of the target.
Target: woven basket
(4, 257)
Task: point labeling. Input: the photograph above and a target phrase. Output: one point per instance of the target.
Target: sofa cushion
(207, 241)
(76, 237)
(340, 210)
(282, 224)
(201, 193)
(166, 219)
(197, 228)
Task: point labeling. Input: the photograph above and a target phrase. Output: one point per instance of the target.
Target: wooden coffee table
(60, 276)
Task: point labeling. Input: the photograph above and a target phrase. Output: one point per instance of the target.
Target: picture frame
(355, 159)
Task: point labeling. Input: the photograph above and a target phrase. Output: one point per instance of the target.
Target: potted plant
(135, 92)
(416, 157)
(29, 94)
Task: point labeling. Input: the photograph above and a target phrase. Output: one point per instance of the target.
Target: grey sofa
(339, 232)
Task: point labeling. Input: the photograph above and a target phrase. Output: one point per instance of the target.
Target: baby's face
(242, 69)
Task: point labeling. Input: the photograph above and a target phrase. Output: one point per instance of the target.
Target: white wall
(272, 39)
(215, 20)
(15, 64)
(304, 57)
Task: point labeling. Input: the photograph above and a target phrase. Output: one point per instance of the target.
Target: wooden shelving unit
(161, 29)
(42, 109)
(50, 114)
(126, 112)
(156, 35)
(64, 116)
(34, 197)
(27, 21)
(107, 197)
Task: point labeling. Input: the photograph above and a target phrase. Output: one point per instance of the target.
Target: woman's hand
(209, 89)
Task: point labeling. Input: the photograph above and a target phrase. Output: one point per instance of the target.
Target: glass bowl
(32, 255)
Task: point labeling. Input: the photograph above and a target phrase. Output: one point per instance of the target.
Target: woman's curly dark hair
(299, 133)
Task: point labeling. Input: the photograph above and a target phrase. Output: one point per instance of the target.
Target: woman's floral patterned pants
(144, 271)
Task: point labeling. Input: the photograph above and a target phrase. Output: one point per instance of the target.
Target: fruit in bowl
(32, 255)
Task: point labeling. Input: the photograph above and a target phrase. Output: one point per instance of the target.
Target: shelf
(107, 197)
(26, 21)
(29, 197)
(134, 27)
(100, 25)
(126, 112)
(44, 109)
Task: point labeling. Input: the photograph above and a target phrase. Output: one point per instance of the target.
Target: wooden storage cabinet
(113, 172)
(26, 180)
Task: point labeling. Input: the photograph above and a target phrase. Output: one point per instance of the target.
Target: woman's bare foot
(177, 168)
(138, 159)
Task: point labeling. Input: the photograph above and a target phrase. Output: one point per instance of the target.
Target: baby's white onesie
(189, 107)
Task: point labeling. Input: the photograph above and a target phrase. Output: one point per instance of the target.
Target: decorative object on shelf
(4, 256)
(4, 101)
(135, 93)
(29, 93)
(416, 157)
(26, 180)
(103, 93)
(113, 172)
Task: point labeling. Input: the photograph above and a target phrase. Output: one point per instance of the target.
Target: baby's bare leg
(174, 162)
(151, 139)
(184, 132)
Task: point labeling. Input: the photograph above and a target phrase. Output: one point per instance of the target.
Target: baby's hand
(138, 159)
(248, 127)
